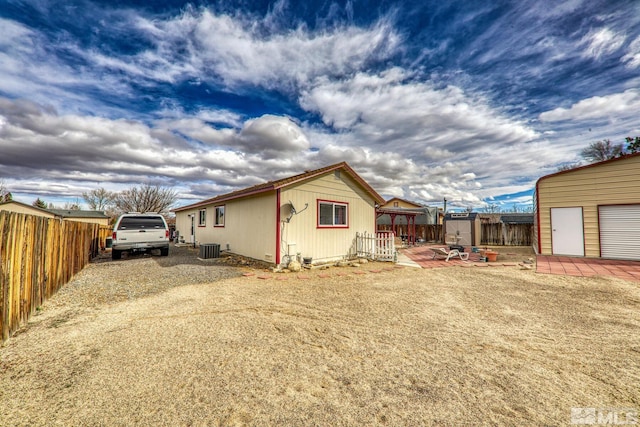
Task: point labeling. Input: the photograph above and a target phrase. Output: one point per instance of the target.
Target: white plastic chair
(450, 254)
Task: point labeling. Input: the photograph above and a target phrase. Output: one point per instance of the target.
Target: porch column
(393, 223)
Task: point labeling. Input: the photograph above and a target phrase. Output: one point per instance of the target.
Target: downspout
(277, 227)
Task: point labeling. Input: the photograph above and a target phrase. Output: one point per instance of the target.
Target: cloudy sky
(468, 100)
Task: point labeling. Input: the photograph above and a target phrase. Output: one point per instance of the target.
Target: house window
(395, 204)
(333, 214)
(219, 222)
(202, 218)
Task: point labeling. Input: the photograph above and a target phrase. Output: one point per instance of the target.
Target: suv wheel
(116, 254)
(164, 251)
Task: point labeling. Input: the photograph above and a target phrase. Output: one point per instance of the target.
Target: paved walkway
(628, 270)
(563, 265)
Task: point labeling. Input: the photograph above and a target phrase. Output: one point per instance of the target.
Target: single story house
(15, 206)
(591, 211)
(94, 217)
(97, 217)
(315, 214)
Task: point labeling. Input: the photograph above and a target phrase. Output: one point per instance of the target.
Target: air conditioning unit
(209, 250)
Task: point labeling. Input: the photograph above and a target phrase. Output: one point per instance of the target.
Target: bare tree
(569, 166)
(492, 208)
(5, 194)
(99, 199)
(72, 206)
(602, 150)
(146, 198)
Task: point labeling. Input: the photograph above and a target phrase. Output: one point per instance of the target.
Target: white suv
(140, 232)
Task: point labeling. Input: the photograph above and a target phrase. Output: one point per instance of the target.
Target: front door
(567, 231)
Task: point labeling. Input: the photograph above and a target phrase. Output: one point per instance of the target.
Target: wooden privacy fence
(507, 234)
(431, 232)
(427, 232)
(378, 246)
(38, 256)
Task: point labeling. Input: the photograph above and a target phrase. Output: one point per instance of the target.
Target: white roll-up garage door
(620, 231)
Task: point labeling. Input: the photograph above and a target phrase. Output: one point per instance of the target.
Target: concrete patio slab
(545, 264)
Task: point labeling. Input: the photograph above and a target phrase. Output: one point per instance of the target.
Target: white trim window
(333, 214)
(202, 218)
(219, 219)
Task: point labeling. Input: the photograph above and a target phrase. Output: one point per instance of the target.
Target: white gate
(377, 246)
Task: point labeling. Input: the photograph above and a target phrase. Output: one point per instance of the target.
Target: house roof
(617, 159)
(417, 205)
(514, 218)
(27, 206)
(73, 213)
(285, 182)
(453, 216)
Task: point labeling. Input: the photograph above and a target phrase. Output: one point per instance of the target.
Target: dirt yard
(197, 344)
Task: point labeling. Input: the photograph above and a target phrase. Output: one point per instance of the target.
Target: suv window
(140, 222)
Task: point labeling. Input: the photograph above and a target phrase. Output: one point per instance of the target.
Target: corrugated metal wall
(607, 183)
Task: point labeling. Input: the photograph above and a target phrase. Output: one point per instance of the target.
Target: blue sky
(468, 100)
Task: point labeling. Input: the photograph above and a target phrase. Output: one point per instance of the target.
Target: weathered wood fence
(492, 234)
(431, 232)
(38, 256)
(507, 234)
(378, 246)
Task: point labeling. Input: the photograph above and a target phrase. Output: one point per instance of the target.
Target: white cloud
(632, 57)
(597, 107)
(238, 50)
(601, 42)
(407, 134)
(273, 137)
(392, 110)
(74, 150)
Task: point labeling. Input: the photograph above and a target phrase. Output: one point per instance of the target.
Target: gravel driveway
(184, 342)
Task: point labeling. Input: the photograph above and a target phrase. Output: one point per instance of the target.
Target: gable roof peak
(285, 182)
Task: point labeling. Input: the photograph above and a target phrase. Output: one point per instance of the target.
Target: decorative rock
(294, 266)
(363, 261)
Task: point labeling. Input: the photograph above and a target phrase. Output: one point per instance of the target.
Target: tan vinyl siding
(401, 204)
(609, 183)
(324, 244)
(249, 226)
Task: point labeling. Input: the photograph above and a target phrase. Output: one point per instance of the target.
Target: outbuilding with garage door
(591, 211)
